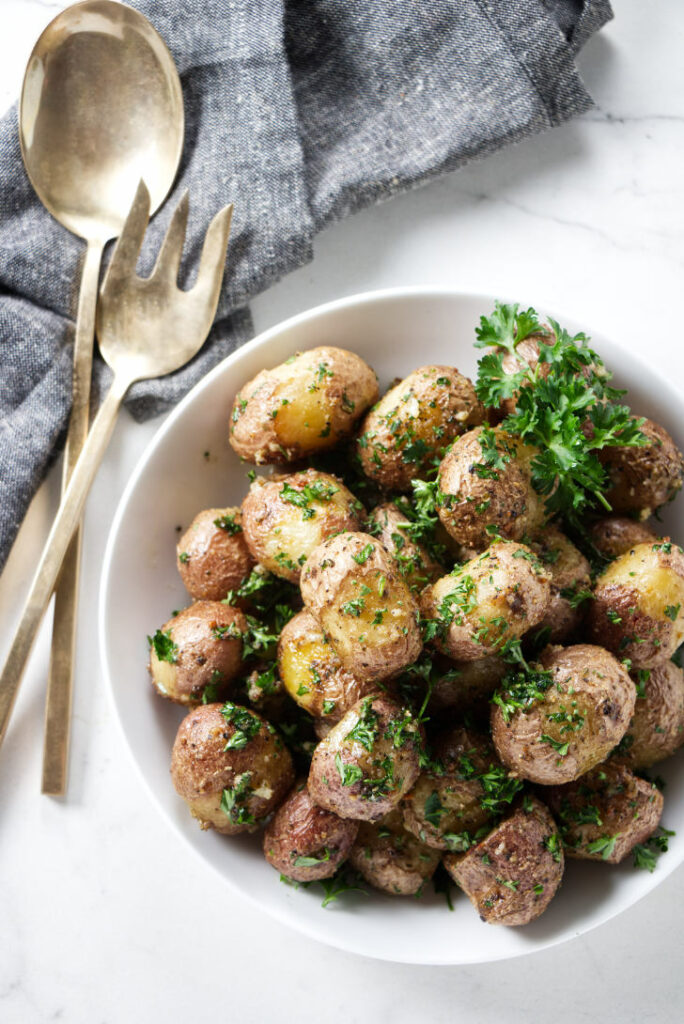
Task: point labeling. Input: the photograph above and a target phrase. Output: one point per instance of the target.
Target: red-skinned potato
(413, 423)
(616, 535)
(198, 650)
(368, 761)
(356, 593)
(638, 607)
(230, 767)
(643, 477)
(391, 859)
(556, 724)
(286, 517)
(304, 842)
(511, 875)
(305, 405)
(212, 555)
(570, 581)
(605, 813)
(657, 726)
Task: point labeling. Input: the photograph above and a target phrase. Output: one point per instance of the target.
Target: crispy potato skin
(569, 570)
(213, 560)
(390, 858)
(299, 830)
(628, 808)
(305, 405)
(515, 852)
(258, 774)
(202, 658)
(353, 588)
(415, 563)
(312, 673)
(280, 534)
(497, 596)
(638, 606)
(616, 535)
(388, 771)
(415, 421)
(644, 477)
(657, 727)
(502, 498)
(591, 699)
(450, 801)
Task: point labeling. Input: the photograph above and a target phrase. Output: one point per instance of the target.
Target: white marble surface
(104, 917)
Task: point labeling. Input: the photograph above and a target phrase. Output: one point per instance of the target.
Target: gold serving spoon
(146, 328)
(101, 107)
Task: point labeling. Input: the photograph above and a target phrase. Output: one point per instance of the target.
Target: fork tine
(168, 260)
(213, 258)
(127, 248)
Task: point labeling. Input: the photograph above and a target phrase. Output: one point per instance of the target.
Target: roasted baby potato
(512, 874)
(485, 489)
(199, 650)
(643, 477)
(496, 597)
(212, 555)
(304, 842)
(657, 728)
(466, 685)
(413, 423)
(570, 582)
(284, 519)
(305, 405)
(526, 355)
(555, 724)
(390, 858)
(616, 535)
(230, 767)
(353, 588)
(603, 815)
(638, 606)
(368, 761)
(312, 673)
(416, 565)
(448, 804)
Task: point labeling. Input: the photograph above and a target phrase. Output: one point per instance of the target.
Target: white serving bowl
(395, 331)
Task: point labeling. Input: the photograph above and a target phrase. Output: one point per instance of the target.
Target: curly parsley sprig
(565, 407)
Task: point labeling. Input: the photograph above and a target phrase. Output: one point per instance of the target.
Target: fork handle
(55, 548)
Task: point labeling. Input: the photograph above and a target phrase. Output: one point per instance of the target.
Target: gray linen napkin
(301, 112)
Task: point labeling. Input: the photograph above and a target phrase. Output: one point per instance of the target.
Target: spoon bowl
(101, 108)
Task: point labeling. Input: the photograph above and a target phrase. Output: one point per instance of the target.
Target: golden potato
(230, 767)
(616, 535)
(413, 423)
(312, 673)
(555, 724)
(485, 489)
(305, 405)
(304, 842)
(449, 803)
(391, 859)
(368, 761)
(604, 814)
(570, 580)
(212, 555)
(643, 477)
(511, 875)
(285, 518)
(196, 652)
(657, 728)
(353, 588)
(415, 563)
(638, 606)
(494, 598)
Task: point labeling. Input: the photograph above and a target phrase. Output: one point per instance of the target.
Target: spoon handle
(56, 545)
(60, 675)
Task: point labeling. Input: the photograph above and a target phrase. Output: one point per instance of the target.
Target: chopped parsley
(164, 646)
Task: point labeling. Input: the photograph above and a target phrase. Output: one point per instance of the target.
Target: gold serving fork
(146, 327)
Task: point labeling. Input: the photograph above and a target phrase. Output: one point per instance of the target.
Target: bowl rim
(333, 939)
